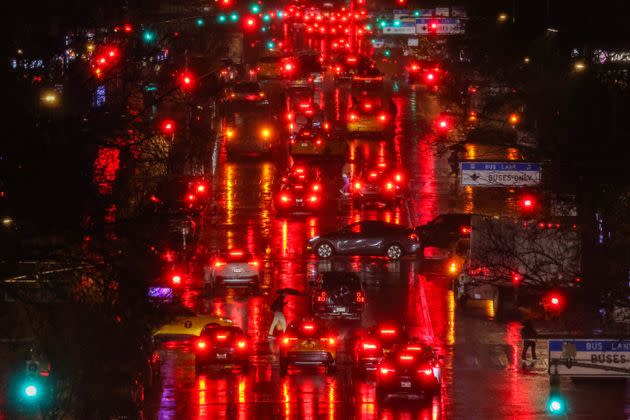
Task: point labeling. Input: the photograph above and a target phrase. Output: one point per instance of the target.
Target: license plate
(405, 384)
(221, 355)
(304, 144)
(238, 270)
(341, 309)
(299, 200)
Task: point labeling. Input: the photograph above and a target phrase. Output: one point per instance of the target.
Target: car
(338, 294)
(378, 185)
(306, 114)
(235, 268)
(300, 191)
(222, 345)
(184, 194)
(369, 115)
(308, 142)
(249, 134)
(270, 67)
(368, 237)
(411, 371)
(426, 73)
(444, 230)
(373, 343)
(244, 93)
(345, 65)
(307, 343)
(367, 78)
(184, 323)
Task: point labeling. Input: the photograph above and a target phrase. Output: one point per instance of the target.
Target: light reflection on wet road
(481, 379)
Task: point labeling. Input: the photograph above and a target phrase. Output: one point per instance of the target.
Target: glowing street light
(50, 98)
(502, 18)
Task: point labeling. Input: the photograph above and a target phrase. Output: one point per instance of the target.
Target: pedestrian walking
(279, 321)
(528, 334)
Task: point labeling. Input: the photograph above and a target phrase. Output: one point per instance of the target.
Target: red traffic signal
(250, 23)
(443, 124)
(167, 126)
(553, 301)
(128, 28)
(187, 80)
(432, 27)
(528, 203)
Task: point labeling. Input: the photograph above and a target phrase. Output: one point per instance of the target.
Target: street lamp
(526, 60)
(502, 18)
(579, 66)
(50, 98)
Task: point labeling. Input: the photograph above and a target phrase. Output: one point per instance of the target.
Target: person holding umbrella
(277, 307)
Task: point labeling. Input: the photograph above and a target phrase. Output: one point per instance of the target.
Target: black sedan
(338, 294)
(369, 237)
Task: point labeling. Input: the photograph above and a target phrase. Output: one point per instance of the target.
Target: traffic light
(186, 81)
(250, 23)
(221, 18)
(401, 2)
(553, 302)
(128, 28)
(432, 27)
(200, 22)
(167, 126)
(225, 3)
(254, 8)
(443, 124)
(556, 405)
(528, 203)
(234, 17)
(149, 36)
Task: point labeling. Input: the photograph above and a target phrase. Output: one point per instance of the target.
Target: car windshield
(237, 256)
(220, 332)
(339, 279)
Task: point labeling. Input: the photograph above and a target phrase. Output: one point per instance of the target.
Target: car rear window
(337, 280)
(246, 87)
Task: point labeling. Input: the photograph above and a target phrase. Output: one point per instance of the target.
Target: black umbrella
(288, 291)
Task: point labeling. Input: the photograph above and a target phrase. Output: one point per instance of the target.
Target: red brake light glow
(236, 253)
(219, 263)
(369, 346)
(176, 279)
(241, 344)
(389, 331)
(201, 345)
(253, 263)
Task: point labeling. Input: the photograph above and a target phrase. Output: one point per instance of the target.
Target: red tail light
(413, 237)
(369, 346)
(388, 331)
(357, 185)
(321, 297)
(219, 263)
(202, 345)
(236, 253)
(286, 340)
(406, 358)
(373, 174)
(254, 263)
(465, 230)
(241, 344)
(398, 177)
(382, 117)
(313, 199)
(176, 279)
(386, 370)
(360, 297)
(201, 188)
(221, 337)
(190, 197)
(353, 117)
(331, 341)
(316, 187)
(426, 371)
(389, 186)
(285, 199)
(308, 327)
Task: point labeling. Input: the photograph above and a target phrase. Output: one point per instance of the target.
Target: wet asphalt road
(482, 375)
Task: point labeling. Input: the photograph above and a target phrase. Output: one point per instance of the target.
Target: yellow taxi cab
(270, 67)
(369, 116)
(307, 344)
(185, 323)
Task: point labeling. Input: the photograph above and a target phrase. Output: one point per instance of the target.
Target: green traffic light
(263, 29)
(397, 22)
(387, 53)
(148, 36)
(416, 13)
(368, 27)
(266, 17)
(30, 391)
(234, 17)
(556, 406)
(271, 45)
(200, 22)
(255, 8)
(382, 24)
(221, 18)
(279, 14)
